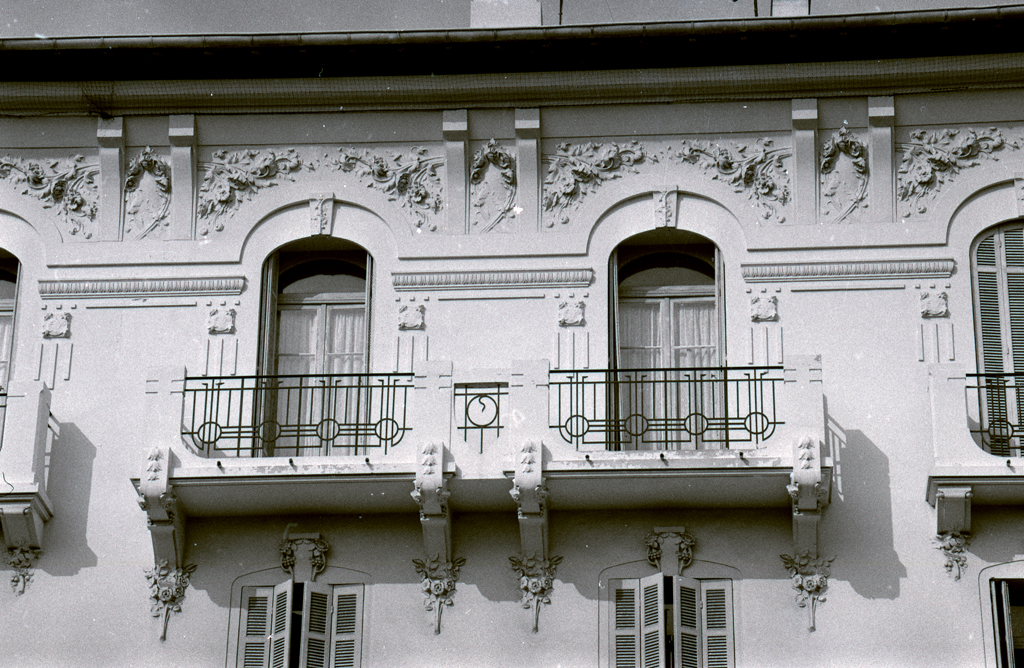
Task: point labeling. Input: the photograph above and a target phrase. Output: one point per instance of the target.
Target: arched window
(998, 263)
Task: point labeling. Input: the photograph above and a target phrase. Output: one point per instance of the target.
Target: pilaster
(881, 172)
(110, 137)
(805, 160)
(181, 133)
(528, 174)
(455, 127)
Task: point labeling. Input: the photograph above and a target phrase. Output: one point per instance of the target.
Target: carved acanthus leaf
(933, 159)
(577, 170)
(844, 176)
(758, 171)
(410, 179)
(147, 196)
(234, 177)
(68, 186)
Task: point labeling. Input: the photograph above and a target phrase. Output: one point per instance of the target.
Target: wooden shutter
(652, 621)
(625, 617)
(686, 623)
(316, 624)
(281, 625)
(254, 627)
(716, 623)
(347, 630)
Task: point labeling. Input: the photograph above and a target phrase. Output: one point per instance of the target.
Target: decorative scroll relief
(68, 186)
(234, 177)
(167, 588)
(410, 179)
(492, 182)
(147, 197)
(577, 170)
(844, 177)
(759, 171)
(933, 159)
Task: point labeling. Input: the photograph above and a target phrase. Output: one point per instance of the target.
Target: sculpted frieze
(759, 171)
(577, 170)
(147, 196)
(68, 186)
(410, 179)
(234, 177)
(932, 160)
(492, 182)
(844, 177)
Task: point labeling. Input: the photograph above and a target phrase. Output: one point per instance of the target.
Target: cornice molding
(164, 287)
(470, 280)
(846, 271)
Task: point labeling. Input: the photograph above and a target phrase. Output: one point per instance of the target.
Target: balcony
(976, 432)
(295, 416)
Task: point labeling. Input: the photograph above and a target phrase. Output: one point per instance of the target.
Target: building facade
(674, 344)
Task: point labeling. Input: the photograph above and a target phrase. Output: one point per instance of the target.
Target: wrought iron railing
(1000, 398)
(665, 409)
(283, 416)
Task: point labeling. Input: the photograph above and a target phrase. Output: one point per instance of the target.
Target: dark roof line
(780, 25)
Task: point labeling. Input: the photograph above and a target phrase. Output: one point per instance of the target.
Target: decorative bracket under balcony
(810, 491)
(531, 497)
(164, 515)
(431, 494)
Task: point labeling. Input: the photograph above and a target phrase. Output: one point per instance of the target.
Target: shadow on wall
(995, 535)
(857, 526)
(65, 547)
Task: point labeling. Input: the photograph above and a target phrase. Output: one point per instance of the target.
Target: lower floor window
(305, 624)
(1008, 606)
(671, 622)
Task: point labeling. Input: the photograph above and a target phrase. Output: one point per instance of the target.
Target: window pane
(639, 335)
(694, 333)
(346, 339)
(296, 341)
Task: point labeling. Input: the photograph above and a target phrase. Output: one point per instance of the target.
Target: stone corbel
(953, 525)
(670, 549)
(165, 518)
(810, 493)
(303, 555)
(321, 214)
(531, 495)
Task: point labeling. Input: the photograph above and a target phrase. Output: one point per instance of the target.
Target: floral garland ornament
(953, 545)
(933, 159)
(536, 579)
(810, 580)
(844, 176)
(409, 179)
(577, 170)
(684, 547)
(235, 177)
(22, 560)
(68, 186)
(147, 196)
(759, 171)
(167, 589)
(499, 182)
(439, 578)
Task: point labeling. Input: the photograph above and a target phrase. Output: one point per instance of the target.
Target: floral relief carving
(933, 159)
(536, 580)
(56, 325)
(410, 179)
(439, 578)
(684, 547)
(221, 321)
(68, 186)
(492, 180)
(22, 559)
(758, 170)
(810, 580)
(572, 314)
(577, 170)
(234, 177)
(764, 308)
(411, 317)
(318, 548)
(147, 196)
(934, 304)
(844, 176)
(167, 590)
(953, 546)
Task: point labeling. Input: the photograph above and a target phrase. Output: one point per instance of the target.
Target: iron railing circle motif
(636, 425)
(387, 429)
(757, 423)
(209, 432)
(269, 431)
(576, 426)
(486, 411)
(328, 429)
(696, 423)
(999, 428)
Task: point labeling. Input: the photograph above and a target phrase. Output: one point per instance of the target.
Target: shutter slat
(344, 654)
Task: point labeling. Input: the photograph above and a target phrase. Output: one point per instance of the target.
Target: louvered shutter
(686, 623)
(347, 629)
(625, 616)
(716, 623)
(281, 624)
(254, 627)
(316, 619)
(652, 621)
